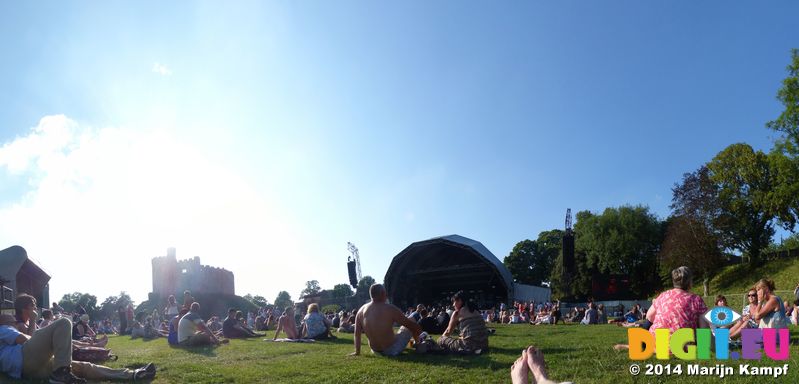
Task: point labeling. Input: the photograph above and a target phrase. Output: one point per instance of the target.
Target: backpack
(93, 354)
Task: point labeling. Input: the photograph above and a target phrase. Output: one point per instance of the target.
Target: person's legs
(48, 348)
(401, 340)
(199, 338)
(451, 344)
(98, 372)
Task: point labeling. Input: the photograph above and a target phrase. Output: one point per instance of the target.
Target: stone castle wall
(172, 277)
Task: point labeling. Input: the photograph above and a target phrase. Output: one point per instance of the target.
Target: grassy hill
(734, 281)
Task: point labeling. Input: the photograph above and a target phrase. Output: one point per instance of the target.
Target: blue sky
(262, 136)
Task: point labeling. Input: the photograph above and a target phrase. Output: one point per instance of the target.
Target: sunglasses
(752, 295)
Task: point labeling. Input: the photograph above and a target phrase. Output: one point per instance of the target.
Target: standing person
(187, 299)
(171, 310)
(377, 319)
(123, 320)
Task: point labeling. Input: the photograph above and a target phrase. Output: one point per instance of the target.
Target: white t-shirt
(187, 326)
(172, 311)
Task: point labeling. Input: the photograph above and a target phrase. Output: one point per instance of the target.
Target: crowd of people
(64, 347)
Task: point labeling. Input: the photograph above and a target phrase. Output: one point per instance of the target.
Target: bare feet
(519, 371)
(621, 347)
(535, 361)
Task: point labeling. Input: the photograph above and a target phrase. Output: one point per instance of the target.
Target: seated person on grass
(192, 330)
(47, 318)
(377, 319)
(591, 315)
(429, 323)
(214, 325)
(232, 329)
(48, 355)
(347, 323)
(287, 324)
(25, 312)
(473, 333)
(314, 325)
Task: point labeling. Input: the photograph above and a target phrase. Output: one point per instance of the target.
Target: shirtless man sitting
(287, 324)
(377, 319)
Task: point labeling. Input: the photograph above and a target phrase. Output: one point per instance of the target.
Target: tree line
(726, 209)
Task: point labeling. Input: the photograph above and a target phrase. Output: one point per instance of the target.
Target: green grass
(734, 281)
(578, 353)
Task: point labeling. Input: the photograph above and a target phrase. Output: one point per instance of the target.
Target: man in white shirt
(192, 330)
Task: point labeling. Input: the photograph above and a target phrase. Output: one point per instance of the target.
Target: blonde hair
(313, 308)
(765, 283)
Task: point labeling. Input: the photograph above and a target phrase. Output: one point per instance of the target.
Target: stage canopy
(430, 271)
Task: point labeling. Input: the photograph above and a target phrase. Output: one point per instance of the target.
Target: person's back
(187, 326)
(315, 325)
(378, 324)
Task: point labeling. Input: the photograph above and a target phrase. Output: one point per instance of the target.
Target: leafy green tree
(691, 243)
(71, 301)
(258, 301)
(787, 244)
(622, 240)
(331, 308)
(363, 287)
(341, 291)
(788, 95)
(548, 247)
(746, 212)
(520, 262)
(283, 300)
(311, 288)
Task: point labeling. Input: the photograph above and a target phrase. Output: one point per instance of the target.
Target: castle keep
(172, 276)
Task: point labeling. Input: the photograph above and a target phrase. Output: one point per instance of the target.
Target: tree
(70, 302)
(548, 248)
(520, 262)
(691, 243)
(258, 301)
(311, 288)
(363, 287)
(746, 212)
(342, 291)
(283, 300)
(788, 95)
(622, 240)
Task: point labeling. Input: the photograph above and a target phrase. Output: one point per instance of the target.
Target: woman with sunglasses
(746, 320)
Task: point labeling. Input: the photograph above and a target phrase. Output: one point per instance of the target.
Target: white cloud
(161, 69)
(102, 202)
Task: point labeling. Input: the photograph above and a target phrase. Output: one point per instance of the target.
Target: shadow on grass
(205, 351)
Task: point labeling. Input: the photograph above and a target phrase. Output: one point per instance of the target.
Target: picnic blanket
(292, 340)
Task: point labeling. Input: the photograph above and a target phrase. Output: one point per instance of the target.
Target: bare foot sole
(621, 347)
(535, 361)
(519, 371)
